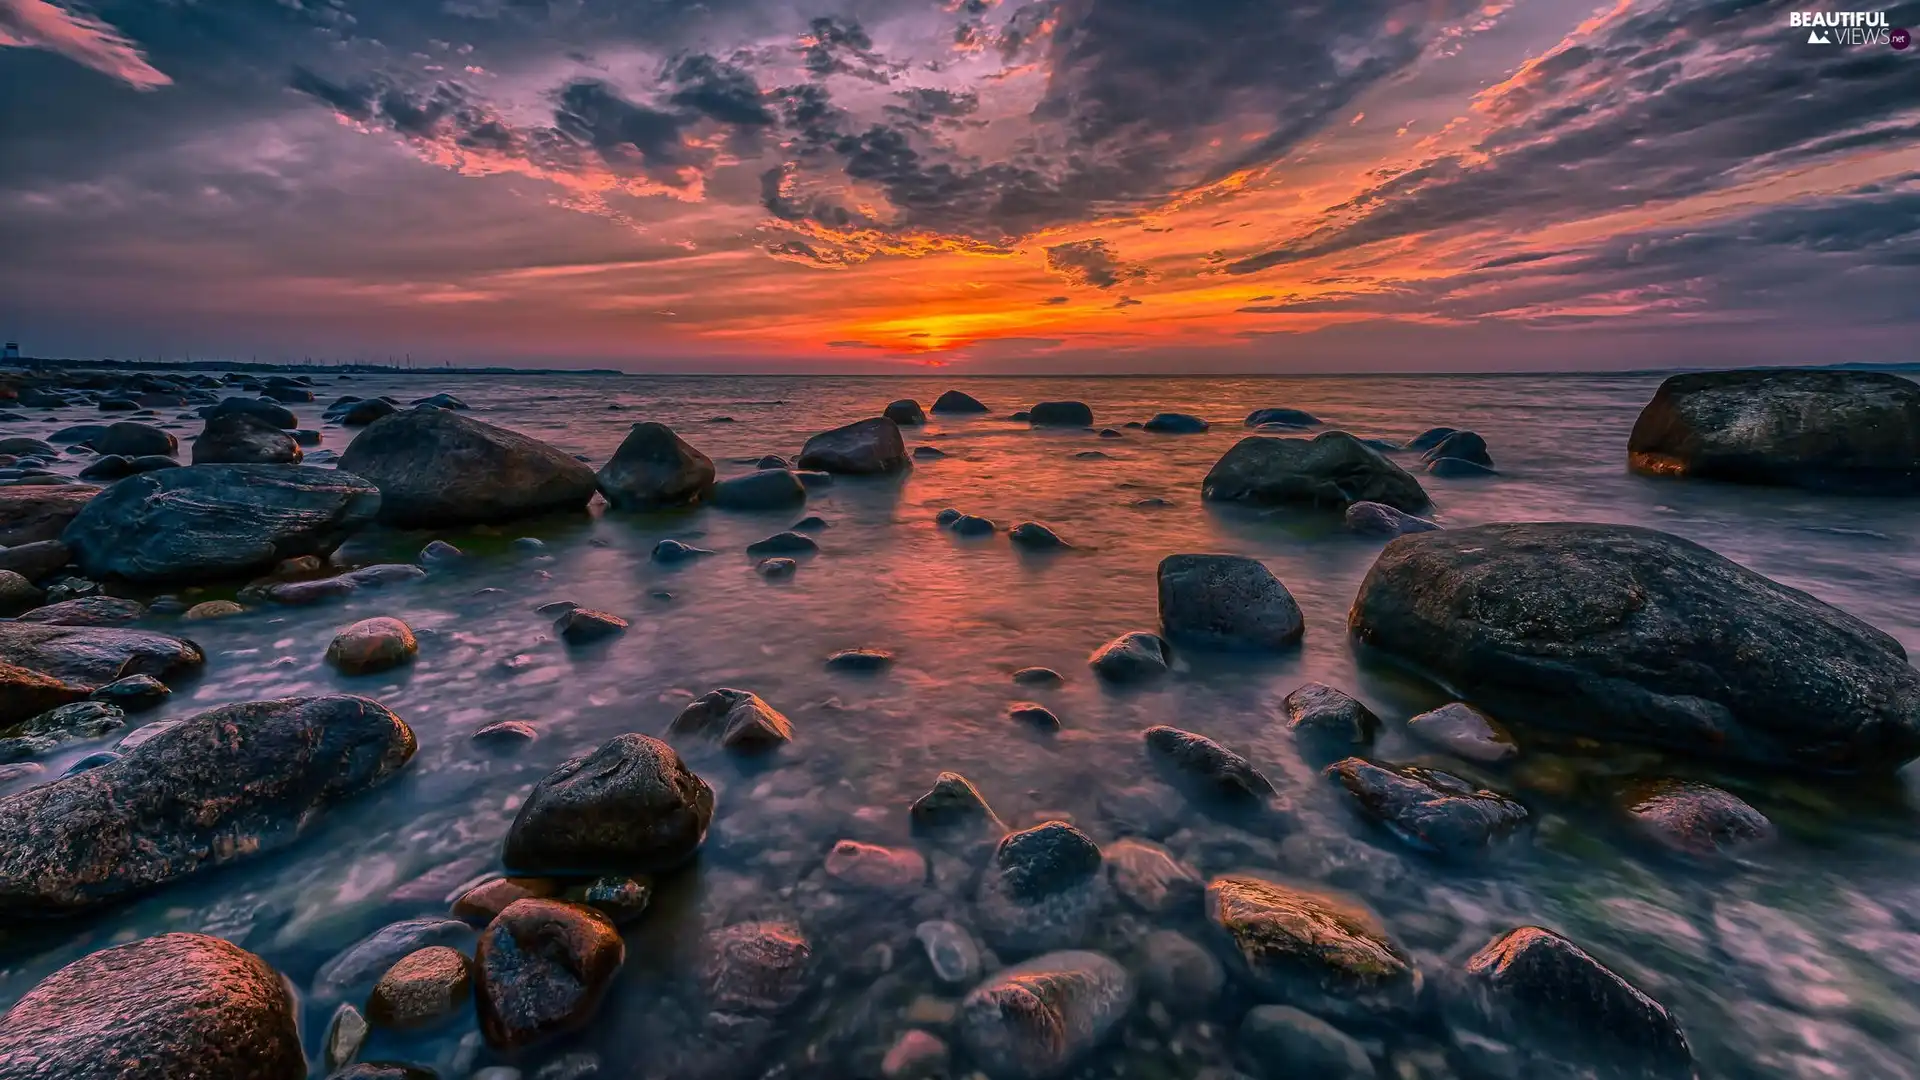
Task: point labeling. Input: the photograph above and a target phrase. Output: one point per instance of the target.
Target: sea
(1800, 962)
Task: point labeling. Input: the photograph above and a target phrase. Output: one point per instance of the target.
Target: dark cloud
(1055, 301)
(1093, 263)
(1127, 302)
(923, 106)
(835, 47)
(354, 103)
(721, 91)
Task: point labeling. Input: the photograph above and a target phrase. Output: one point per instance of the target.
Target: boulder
(905, 412)
(1379, 519)
(765, 489)
(1044, 888)
(1135, 656)
(1458, 469)
(78, 434)
(423, 989)
(1430, 810)
(629, 807)
(1460, 446)
(1150, 878)
(17, 594)
(736, 719)
(1832, 431)
(37, 560)
(1296, 418)
(173, 1007)
(224, 786)
(955, 401)
(135, 440)
(1036, 1020)
(1034, 536)
(1429, 439)
(674, 551)
(113, 467)
(216, 521)
(655, 468)
(1061, 414)
(1331, 469)
(1465, 732)
(1173, 423)
(1226, 601)
(24, 447)
(1539, 1006)
(1205, 767)
(436, 468)
(38, 513)
(26, 693)
(1320, 951)
(362, 413)
(239, 438)
(1618, 632)
(43, 734)
(1326, 723)
(373, 645)
(93, 656)
(865, 448)
(544, 966)
(1695, 819)
(354, 970)
(278, 415)
(88, 611)
(582, 626)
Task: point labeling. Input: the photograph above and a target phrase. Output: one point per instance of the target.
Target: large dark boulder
(362, 413)
(277, 415)
(135, 440)
(1618, 632)
(864, 448)
(904, 412)
(654, 468)
(1849, 431)
(238, 438)
(26, 694)
(435, 468)
(763, 489)
(544, 965)
(1465, 446)
(1332, 469)
(29, 515)
(1061, 414)
(173, 1007)
(212, 521)
(93, 656)
(959, 402)
(226, 785)
(1282, 417)
(1226, 602)
(630, 807)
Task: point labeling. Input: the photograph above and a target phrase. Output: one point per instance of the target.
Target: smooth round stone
(1311, 947)
(1226, 602)
(373, 645)
(1429, 810)
(1459, 469)
(1695, 819)
(954, 804)
(421, 990)
(871, 866)
(1033, 715)
(133, 693)
(580, 626)
(951, 950)
(346, 1034)
(1038, 1019)
(673, 551)
(1282, 1042)
(439, 551)
(1180, 973)
(91, 762)
(1379, 519)
(777, 568)
(544, 968)
(529, 543)
(1328, 724)
(1038, 676)
(861, 660)
(1150, 878)
(485, 901)
(928, 453)
(786, 543)
(506, 734)
(905, 412)
(958, 401)
(631, 806)
(1464, 732)
(357, 968)
(1035, 537)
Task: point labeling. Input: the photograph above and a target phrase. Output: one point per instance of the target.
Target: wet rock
(1465, 732)
(1281, 1042)
(766, 489)
(915, 1055)
(770, 461)
(134, 440)
(1176, 424)
(26, 693)
(777, 568)
(1693, 818)
(1206, 767)
(244, 439)
(1226, 601)
(954, 805)
(870, 866)
(362, 413)
(506, 735)
(41, 735)
(92, 761)
(1643, 636)
(1037, 1020)
(786, 543)
(373, 645)
(439, 551)
(30, 515)
(1328, 724)
(1539, 1004)
(111, 467)
(966, 524)
(1830, 431)
(673, 551)
(79, 433)
(955, 401)
(88, 611)
(1149, 877)
(24, 447)
(1429, 810)
(868, 447)
(1033, 715)
(951, 950)
(35, 561)
(293, 395)
(655, 468)
(621, 899)
(1035, 537)
(301, 593)
(1038, 676)
(1022, 416)
(1042, 889)
(442, 400)
(1092, 455)
(1319, 950)
(354, 971)
(544, 967)
(755, 971)
(17, 594)
(1331, 469)
(737, 719)
(213, 521)
(278, 415)
(422, 990)
(346, 1035)
(225, 785)
(928, 453)
(133, 693)
(1379, 519)
(1458, 469)
(1180, 973)
(905, 412)
(631, 806)
(92, 656)
(436, 468)
(1460, 446)
(1295, 418)
(173, 1007)
(485, 901)
(1135, 656)
(1061, 414)
(580, 626)
(860, 660)
(1429, 438)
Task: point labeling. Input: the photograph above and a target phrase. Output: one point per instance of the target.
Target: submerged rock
(673, 551)
(373, 645)
(111, 467)
(1429, 439)
(786, 543)
(47, 732)
(1693, 818)
(38, 513)
(1043, 889)
(1331, 469)
(965, 524)
(1206, 767)
(278, 415)
(955, 401)
(954, 806)
(88, 611)
(1460, 446)
(870, 866)
(1283, 1042)
(1150, 878)
(362, 413)
(777, 568)
(630, 806)
(766, 489)
(755, 971)
(1539, 1006)
(1458, 468)
(1379, 519)
(1226, 601)
(951, 951)
(1038, 676)
(1321, 951)
(93, 656)
(543, 968)
(1035, 537)
(1465, 732)
(1176, 424)
(1432, 811)
(173, 1007)
(214, 521)
(860, 660)
(928, 453)
(1033, 715)
(905, 412)
(655, 468)
(867, 447)
(436, 468)
(226, 785)
(581, 626)
(1328, 724)
(133, 693)
(1061, 414)
(26, 693)
(1626, 633)
(301, 593)
(422, 990)
(1037, 1020)
(135, 440)
(1846, 431)
(1283, 417)
(244, 439)
(736, 719)
(1132, 657)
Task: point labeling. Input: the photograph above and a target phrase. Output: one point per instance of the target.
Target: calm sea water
(1804, 964)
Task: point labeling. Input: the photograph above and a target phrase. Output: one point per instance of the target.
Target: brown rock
(213, 609)
(738, 719)
(373, 645)
(544, 966)
(26, 693)
(31, 514)
(485, 901)
(421, 990)
(873, 867)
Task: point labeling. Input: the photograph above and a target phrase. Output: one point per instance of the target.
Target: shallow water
(1804, 964)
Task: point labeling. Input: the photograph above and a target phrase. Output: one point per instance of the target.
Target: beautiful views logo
(1849, 28)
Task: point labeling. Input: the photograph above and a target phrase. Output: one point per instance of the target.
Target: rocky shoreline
(1020, 953)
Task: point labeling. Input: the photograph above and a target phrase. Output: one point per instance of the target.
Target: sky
(979, 186)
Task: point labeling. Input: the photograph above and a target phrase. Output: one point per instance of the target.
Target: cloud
(721, 91)
(1055, 301)
(1093, 263)
(1127, 302)
(82, 38)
